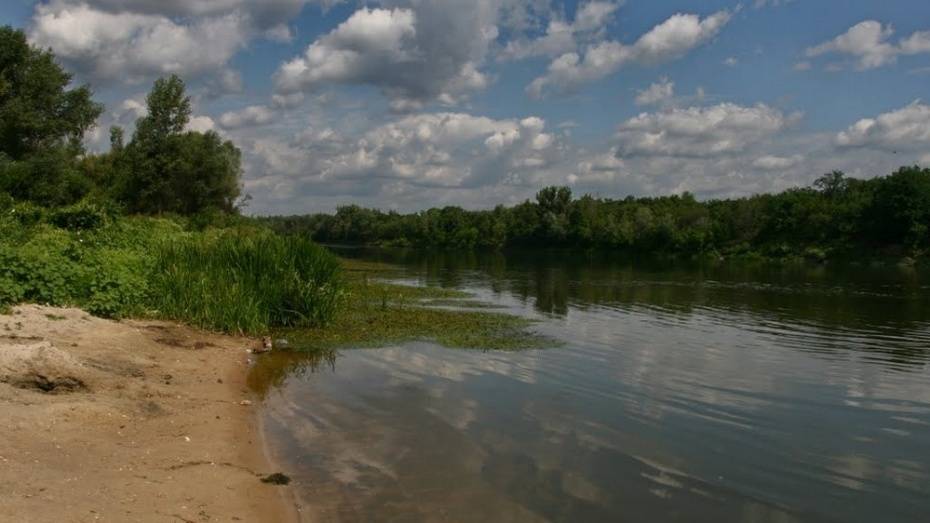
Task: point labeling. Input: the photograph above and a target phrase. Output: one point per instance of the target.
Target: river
(679, 392)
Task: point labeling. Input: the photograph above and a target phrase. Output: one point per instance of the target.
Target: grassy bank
(239, 279)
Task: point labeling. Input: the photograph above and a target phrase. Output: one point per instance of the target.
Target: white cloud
(868, 44)
(731, 62)
(132, 47)
(252, 116)
(907, 128)
(602, 168)
(409, 156)
(265, 13)
(201, 124)
(562, 36)
(667, 41)
(700, 131)
(662, 91)
(771, 163)
(430, 50)
(917, 43)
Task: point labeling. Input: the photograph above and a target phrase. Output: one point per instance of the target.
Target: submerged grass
(380, 313)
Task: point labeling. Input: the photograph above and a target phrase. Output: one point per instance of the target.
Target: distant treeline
(836, 215)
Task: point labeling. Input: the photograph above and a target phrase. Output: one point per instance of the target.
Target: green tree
(171, 170)
(42, 123)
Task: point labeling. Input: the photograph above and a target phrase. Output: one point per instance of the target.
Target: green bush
(82, 216)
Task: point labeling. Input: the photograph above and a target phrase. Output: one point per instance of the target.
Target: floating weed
(379, 313)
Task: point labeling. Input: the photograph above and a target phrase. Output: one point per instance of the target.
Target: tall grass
(245, 282)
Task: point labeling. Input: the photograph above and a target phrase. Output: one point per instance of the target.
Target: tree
(116, 139)
(169, 110)
(832, 184)
(42, 123)
(900, 209)
(171, 170)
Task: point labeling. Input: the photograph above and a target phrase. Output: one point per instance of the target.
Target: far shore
(129, 421)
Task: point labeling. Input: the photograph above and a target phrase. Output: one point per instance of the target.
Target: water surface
(729, 392)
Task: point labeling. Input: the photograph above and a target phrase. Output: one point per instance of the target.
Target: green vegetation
(242, 279)
(379, 313)
(246, 282)
(885, 216)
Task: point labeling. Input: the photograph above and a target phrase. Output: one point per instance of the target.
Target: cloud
(252, 116)
(917, 43)
(770, 162)
(406, 158)
(662, 91)
(700, 131)
(868, 44)
(602, 169)
(201, 124)
(266, 14)
(562, 36)
(428, 51)
(132, 47)
(731, 61)
(905, 129)
(668, 41)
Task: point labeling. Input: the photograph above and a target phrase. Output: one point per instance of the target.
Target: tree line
(837, 214)
(163, 168)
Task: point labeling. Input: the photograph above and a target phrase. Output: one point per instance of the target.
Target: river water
(729, 392)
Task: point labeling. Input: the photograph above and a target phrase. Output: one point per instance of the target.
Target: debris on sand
(277, 479)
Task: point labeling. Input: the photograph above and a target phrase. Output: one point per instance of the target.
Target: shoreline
(129, 421)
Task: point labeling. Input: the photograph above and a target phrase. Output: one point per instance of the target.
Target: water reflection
(838, 308)
(690, 394)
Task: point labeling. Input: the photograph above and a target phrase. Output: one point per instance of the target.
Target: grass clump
(238, 282)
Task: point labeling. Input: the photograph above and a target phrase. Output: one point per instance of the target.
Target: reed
(245, 282)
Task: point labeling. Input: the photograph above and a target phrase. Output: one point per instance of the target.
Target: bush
(82, 216)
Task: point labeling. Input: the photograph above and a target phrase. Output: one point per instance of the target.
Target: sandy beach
(128, 421)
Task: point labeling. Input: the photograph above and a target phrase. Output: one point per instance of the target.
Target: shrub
(82, 216)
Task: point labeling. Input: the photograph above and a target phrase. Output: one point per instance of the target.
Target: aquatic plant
(379, 312)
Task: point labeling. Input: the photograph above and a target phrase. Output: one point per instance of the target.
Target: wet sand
(128, 421)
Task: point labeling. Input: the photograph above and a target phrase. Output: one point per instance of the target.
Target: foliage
(247, 280)
(165, 169)
(838, 215)
(42, 123)
(37, 111)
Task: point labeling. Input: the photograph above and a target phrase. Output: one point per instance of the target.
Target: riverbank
(128, 421)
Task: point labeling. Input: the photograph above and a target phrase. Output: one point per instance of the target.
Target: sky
(410, 104)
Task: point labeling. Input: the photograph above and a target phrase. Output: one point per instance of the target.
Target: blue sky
(407, 104)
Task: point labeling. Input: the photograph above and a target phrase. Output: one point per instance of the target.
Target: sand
(128, 421)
